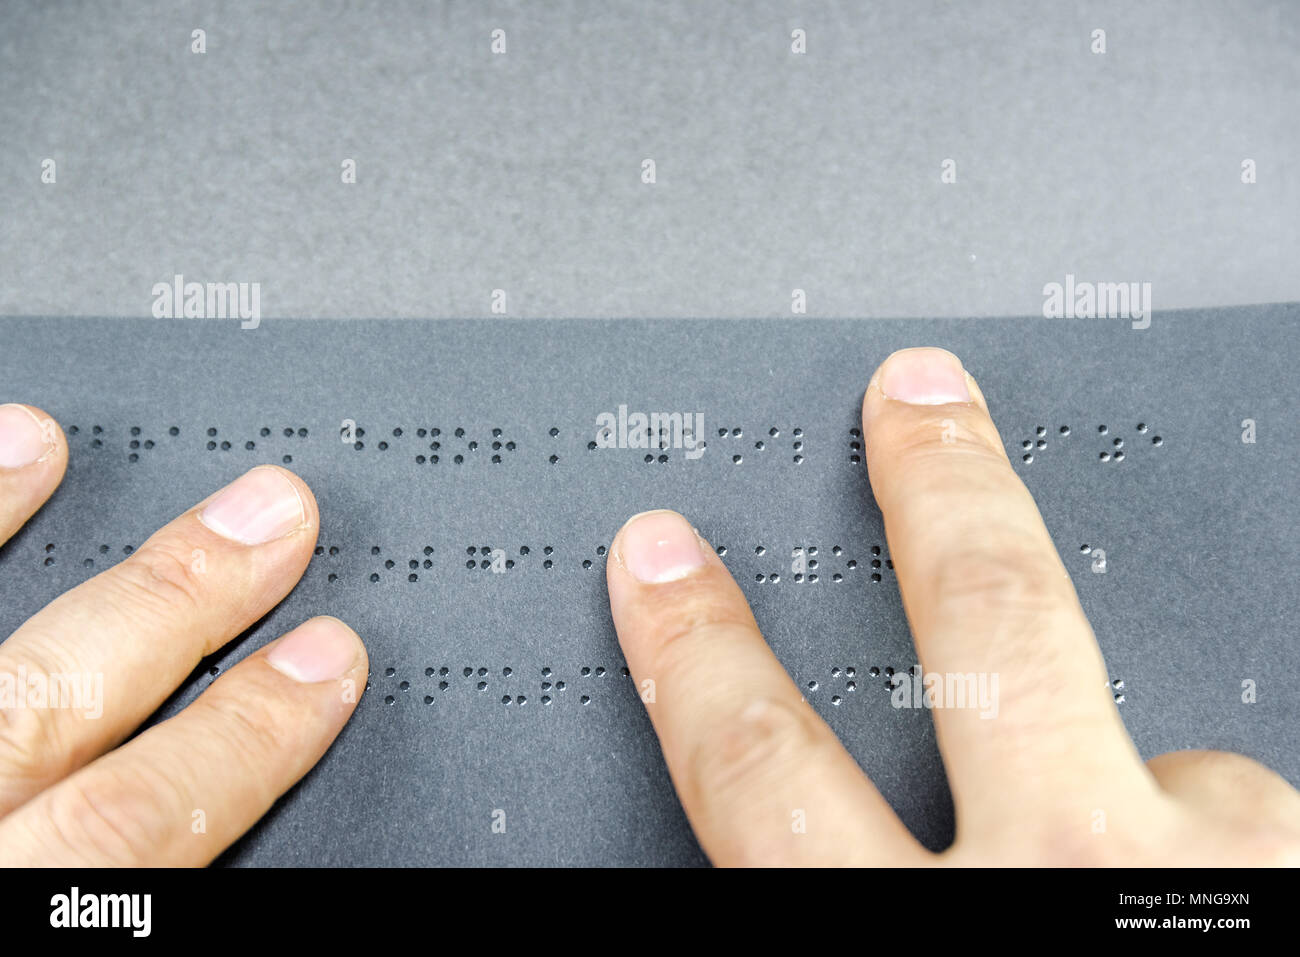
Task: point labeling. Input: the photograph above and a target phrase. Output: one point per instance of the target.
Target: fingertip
(320, 649)
(658, 546)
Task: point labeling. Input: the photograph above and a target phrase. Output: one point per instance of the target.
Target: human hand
(181, 791)
(985, 593)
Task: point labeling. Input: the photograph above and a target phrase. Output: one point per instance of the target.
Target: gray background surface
(1199, 532)
(521, 171)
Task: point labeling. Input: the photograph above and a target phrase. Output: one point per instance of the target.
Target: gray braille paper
(1196, 603)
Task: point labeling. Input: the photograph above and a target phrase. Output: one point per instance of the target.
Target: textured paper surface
(1199, 534)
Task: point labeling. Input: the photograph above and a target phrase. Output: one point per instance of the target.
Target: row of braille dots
(549, 685)
(495, 557)
(216, 443)
(806, 557)
(88, 562)
(850, 676)
(1116, 452)
(1113, 454)
(498, 444)
(135, 444)
(490, 558)
(762, 445)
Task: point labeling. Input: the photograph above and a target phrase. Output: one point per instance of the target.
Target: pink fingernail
(924, 377)
(22, 440)
(259, 506)
(659, 547)
(318, 650)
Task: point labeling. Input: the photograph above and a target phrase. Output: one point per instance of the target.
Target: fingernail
(923, 377)
(22, 440)
(259, 506)
(318, 650)
(659, 547)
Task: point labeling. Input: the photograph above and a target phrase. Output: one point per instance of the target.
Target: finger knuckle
(1009, 583)
(26, 744)
(114, 818)
(252, 729)
(741, 755)
(161, 577)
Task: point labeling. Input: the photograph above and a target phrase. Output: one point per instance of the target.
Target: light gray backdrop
(522, 171)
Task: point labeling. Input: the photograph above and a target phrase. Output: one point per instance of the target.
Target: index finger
(989, 601)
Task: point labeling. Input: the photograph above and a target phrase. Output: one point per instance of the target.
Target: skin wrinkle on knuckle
(992, 584)
(121, 822)
(251, 730)
(29, 746)
(750, 746)
(159, 578)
